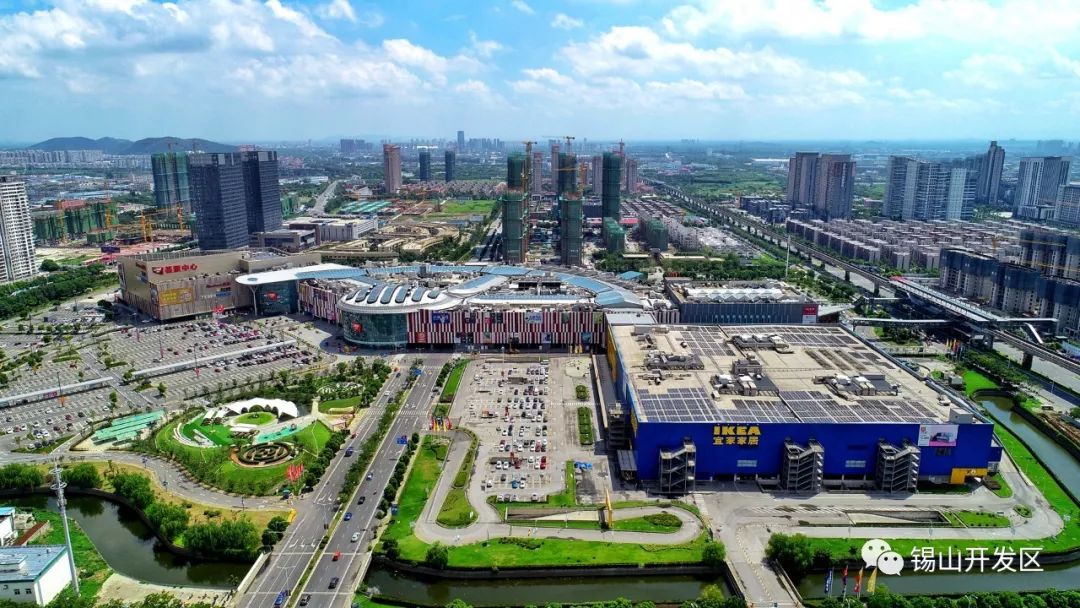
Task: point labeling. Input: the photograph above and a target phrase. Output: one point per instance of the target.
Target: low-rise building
(33, 573)
(742, 302)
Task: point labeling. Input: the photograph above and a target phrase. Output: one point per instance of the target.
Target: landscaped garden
(399, 542)
(260, 474)
(222, 447)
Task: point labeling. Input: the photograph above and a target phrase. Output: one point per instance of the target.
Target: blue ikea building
(800, 408)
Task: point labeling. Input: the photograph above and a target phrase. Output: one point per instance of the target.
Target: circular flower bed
(264, 454)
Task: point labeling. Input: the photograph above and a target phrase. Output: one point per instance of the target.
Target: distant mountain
(153, 145)
(109, 145)
(150, 145)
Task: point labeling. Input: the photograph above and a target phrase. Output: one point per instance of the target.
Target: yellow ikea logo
(732, 434)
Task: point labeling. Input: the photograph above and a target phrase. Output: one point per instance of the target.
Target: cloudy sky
(240, 70)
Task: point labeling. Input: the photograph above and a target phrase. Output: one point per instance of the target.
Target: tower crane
(568, 138)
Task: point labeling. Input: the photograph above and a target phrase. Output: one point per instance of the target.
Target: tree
(170, 520)
(458, 604)
(437, 556)
(83, 475)
(792, 552)
(161, 388)
(133, 487)
(50, 266)
(18, 476)
(113, 398)
(713, 555)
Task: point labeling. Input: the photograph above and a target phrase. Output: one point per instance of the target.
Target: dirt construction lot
(525, 416)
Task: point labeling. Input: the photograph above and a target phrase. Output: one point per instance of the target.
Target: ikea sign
(736, 434)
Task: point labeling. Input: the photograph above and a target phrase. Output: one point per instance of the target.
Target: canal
(129, 546)
(539, 591)
(1065, 576)
(1054, 457)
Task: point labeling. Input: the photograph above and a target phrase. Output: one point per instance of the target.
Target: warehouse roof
(768, 374)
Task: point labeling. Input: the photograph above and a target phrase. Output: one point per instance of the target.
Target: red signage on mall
(175, 268)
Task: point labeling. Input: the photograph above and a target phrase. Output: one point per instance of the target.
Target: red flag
(858, 581)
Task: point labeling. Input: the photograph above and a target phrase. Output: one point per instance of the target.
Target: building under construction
(515, 211)
(611, 180)
(76, 220)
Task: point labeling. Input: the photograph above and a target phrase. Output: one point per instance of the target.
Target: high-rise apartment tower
(16, 231)
(425, 165)
(391, 168)
(449, 160)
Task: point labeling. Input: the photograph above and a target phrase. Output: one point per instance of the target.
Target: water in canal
(1053, 456)
(1065, 576)
(128, 546)
(539, 591)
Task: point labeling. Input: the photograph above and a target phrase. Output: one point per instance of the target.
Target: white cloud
(337, 9)
(483, 48)
(975, 21)
(296, 18)
(642, 52)
(522, 6)
(271, 46)
(991, 72)
(563, 21)
(473, 86)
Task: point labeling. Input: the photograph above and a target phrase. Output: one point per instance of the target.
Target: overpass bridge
(899, 322)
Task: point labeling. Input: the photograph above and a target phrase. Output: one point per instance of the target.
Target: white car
(355, 536)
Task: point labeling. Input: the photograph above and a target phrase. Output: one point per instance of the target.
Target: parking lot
(525, 416)
(138, 348)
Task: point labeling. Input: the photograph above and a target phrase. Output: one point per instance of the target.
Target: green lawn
(630, 524)
(91, 566)
(459, 208)
(213, 466)
(646, 524)
(256, 418)
(453, 381)
(348, 403)
(218, 433)
(974, 381)
(977, 519)
(456, 511)
(508, 552)
(1004, 491)
(841, 549)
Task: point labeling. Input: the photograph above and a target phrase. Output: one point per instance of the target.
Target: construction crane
(569, 141)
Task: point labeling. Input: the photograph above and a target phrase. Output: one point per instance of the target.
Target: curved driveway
(489, 524)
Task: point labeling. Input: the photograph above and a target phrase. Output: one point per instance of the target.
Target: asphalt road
(324, 197)
(413, 417)
(317, 509)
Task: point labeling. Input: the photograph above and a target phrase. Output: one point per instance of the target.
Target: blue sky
(240, 70)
